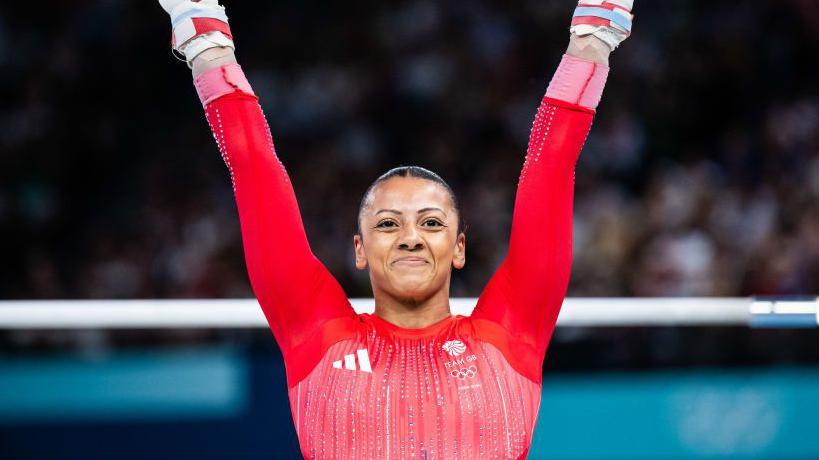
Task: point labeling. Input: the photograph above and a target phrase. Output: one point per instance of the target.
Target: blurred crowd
(700, 176)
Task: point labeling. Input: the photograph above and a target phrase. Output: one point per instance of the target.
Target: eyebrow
(420, 211)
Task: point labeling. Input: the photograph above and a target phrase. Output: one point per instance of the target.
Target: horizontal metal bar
(245, 313)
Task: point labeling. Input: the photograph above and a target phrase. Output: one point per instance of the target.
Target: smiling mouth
(410, 262)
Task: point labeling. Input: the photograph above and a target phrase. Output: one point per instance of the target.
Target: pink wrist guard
(217, 82)
(578, 81)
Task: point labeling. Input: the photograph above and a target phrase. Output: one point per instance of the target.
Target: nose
(410, 239)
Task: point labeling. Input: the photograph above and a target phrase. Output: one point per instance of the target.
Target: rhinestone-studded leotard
(362, 388)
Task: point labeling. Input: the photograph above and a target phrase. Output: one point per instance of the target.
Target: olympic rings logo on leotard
(464, 372)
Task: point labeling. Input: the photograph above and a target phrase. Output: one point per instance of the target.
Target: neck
(412, 313)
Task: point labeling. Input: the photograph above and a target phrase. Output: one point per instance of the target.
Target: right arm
(295, 290)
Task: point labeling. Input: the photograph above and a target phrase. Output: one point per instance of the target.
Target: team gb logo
(454, 347)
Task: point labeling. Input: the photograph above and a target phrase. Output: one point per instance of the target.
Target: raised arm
(296, 292)
(524, 296)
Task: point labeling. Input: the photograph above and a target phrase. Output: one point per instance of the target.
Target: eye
(434, 221)
(383, 224)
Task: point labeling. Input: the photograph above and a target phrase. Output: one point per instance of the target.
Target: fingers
(169, 5)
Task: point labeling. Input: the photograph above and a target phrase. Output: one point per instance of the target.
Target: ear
(360, 256)
(459, 257)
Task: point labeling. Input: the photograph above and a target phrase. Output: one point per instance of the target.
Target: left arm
(525, 294)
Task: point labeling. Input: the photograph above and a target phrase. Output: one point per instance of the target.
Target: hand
(607, 20)
(169, 5)
(198, 25)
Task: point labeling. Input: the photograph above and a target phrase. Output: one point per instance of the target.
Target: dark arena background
(700, 179)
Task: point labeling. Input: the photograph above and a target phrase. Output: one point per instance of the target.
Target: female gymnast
(411, 380)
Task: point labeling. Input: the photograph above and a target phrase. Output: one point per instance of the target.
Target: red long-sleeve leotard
(360, 387)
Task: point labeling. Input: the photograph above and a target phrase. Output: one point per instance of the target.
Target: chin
(413, 293)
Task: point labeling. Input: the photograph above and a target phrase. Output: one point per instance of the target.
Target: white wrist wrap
(203, 42)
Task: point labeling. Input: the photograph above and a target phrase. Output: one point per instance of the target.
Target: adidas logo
(349, 361)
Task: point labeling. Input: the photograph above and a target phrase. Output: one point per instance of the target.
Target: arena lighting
(245, 313)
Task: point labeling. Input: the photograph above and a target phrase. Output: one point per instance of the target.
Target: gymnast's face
(409, 238)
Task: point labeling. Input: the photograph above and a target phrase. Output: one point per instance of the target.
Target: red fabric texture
(437, 392)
